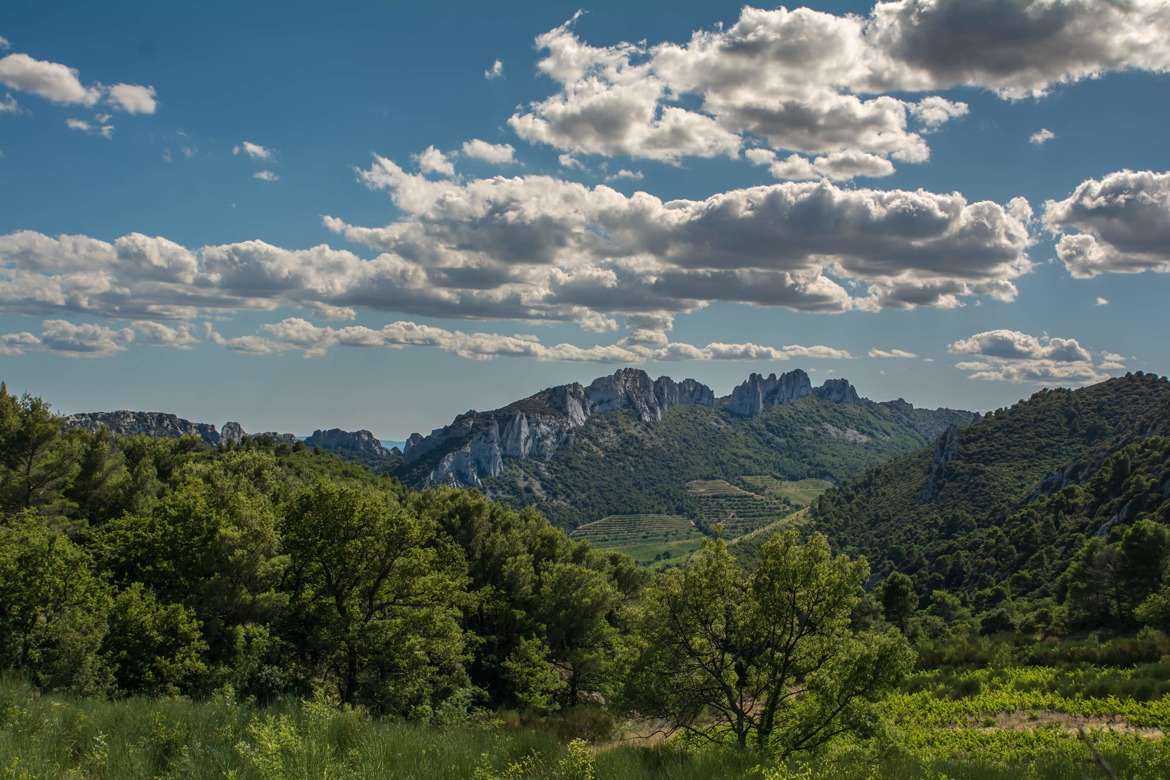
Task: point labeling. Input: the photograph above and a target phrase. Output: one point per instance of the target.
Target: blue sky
(368, 215)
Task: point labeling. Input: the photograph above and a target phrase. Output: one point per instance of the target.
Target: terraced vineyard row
(799, 494)
(739, 511)
(648, 539)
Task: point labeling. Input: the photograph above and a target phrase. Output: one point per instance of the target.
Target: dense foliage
(162, 566)
(1051, 516)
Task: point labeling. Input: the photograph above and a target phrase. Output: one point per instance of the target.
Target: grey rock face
(838, 391)
(335, 439)
(944, 453)
(759, 393)
(538, 426)
(231, 433)
(156, 424)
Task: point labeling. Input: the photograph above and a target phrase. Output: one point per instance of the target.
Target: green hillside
(1047, 508)
(618, 465)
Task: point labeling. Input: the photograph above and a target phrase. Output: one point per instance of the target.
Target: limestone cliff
(474, 445)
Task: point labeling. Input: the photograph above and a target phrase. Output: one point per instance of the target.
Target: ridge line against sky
(372, 217)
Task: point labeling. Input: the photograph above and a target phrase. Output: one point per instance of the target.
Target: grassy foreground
(1009, 724)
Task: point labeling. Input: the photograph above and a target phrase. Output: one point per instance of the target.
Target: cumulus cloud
(61, 84)
(266, 176)
(4, 44)
(50, 80)
(488, 152)
(541, 249)
(1101, 302)
(496, 71)
(431, 160)
(9, 105)
(1041, 137)
(295, 334)
(1012, 356)
(1121, 224)
(814, 83)
(835, 167)
(890, 353)
(949, 43)
(102, 129)
(132, 98)
(254, 151)
(625, 174)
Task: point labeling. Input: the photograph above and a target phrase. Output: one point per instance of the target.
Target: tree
(374, 601)
(898, 599)
(52, 607)
(767, 658)
(36, 461)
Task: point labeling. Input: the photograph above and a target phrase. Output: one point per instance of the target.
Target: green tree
(154, 648)
(374, 601)
(898, 599)
(36, 461)
(770, 656)
(52, 607)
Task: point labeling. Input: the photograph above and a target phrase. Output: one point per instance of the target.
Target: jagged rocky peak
(231, 433)
(838, 391)
(632, 388)
(157, 424)
(475, 443)
(759, 393)
(362, 442)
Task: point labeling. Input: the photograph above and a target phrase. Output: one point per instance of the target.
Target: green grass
(798, 493)
(648, 539)
(1016, 722)
(737, 510)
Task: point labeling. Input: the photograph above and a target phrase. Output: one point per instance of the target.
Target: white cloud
(103, 130)
(12, 344)
(493, 153)
(431, 160)
(1012, 356)
(625, 174)
(9, 105)
(49, 80)
(87, 340)
(254, 151)
(1041, 137)
(950, 43)
(1123, 222)
(1101, 302)
(296, 334)
(496, 71)
(542, 249)
(890, 353)
(837, 166)
(265, 176)
(813, 83)
(132, 98)
(4, 44)
(160, 335)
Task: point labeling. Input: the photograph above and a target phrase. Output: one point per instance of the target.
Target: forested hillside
(164, 566)
(618, 465)
(1052, 514)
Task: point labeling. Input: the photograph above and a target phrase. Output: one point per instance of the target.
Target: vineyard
(645, 538)
(798, 493)
(739, 511)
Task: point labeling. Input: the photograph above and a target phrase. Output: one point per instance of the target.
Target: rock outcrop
(156, 424)
(166, 426)
(361, 442)
(474, 445)
(944, 453)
